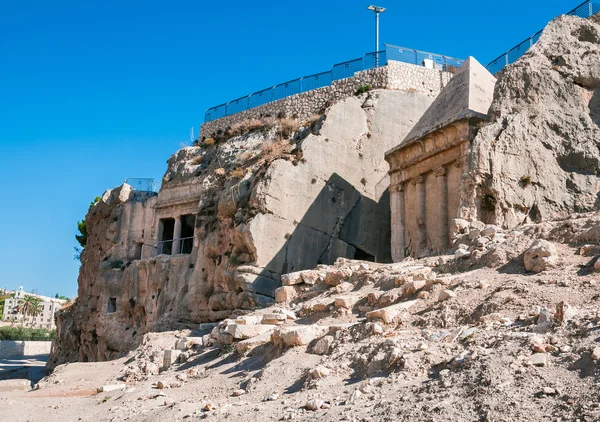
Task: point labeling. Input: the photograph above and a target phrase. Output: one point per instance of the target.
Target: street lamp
(377, 10)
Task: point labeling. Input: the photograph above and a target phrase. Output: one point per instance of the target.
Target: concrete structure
(49, 306)
(13, 348)
(426, 168)
(395, 75)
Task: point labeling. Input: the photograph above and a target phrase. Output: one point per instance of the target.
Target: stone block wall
(13, 349)
(395, 75)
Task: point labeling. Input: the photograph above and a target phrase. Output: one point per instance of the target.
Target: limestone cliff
(269, 196)
(537, 157)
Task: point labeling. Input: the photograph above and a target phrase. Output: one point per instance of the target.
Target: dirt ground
(503, 345)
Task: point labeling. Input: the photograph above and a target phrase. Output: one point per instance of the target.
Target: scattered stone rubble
(425, 332)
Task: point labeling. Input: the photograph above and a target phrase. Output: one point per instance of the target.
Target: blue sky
(93, 92)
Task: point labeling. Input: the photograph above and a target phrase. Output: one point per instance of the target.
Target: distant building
(45, 319)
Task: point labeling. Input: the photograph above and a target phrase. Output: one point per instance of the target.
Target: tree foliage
(25, 334)
(83, 233)
(30, 305)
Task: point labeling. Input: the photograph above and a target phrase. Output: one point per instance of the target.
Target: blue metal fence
(372, 60)
(143, 184)
(319, 80)
(408, 55)
(584, 10)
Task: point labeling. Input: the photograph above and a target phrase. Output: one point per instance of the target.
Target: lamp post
(377, 10)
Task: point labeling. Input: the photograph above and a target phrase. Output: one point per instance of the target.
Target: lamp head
(376, 9)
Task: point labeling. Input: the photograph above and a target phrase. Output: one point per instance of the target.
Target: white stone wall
(396, 75)
(12, 349)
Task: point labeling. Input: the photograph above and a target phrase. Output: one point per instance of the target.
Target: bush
(363, 89)
(237, 173)
(208, 142)
(525, 181)
(245, 127)
(288, 126)
(197, 160)
(26, 334)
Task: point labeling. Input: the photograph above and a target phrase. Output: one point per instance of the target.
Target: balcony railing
(167, 247)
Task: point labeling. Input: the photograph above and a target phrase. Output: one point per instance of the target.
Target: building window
(112, 305)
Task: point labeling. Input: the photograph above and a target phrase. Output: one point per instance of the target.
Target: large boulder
(540, 256)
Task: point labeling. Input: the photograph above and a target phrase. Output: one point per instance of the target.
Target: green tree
(83, 233)
(30, 306)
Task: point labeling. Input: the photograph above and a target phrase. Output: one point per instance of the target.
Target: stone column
(442, 181)
(177, 236)
(421, 214)
(398, 234)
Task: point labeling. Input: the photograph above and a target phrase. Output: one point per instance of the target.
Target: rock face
(269, 197)
(538, 157)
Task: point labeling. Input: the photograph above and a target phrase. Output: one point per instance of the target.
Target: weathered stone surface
(170, 357)
(249, 320)
(540, 256)
(469, 93)
(546, 112)
(274, 319)
(589, 250)
(243, 332)
(256, 283)
(247, 345)
(391, 313)
(292, 278)
(297, 336)
(445, 295)
(286, 294)
(335, 277)
(346, 302)
(323, 345)
(539, 359)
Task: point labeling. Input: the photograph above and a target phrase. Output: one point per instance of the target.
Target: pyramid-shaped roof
(468, 94)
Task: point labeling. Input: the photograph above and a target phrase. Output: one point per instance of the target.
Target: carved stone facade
(426, 168)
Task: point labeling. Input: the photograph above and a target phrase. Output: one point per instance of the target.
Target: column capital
(441, 171)
(418, 180)
(397, 188)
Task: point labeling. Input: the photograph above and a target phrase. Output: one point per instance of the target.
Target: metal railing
(584, 10)
(320, 80)
(408, 55)
(166, 247)
(143, 185)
